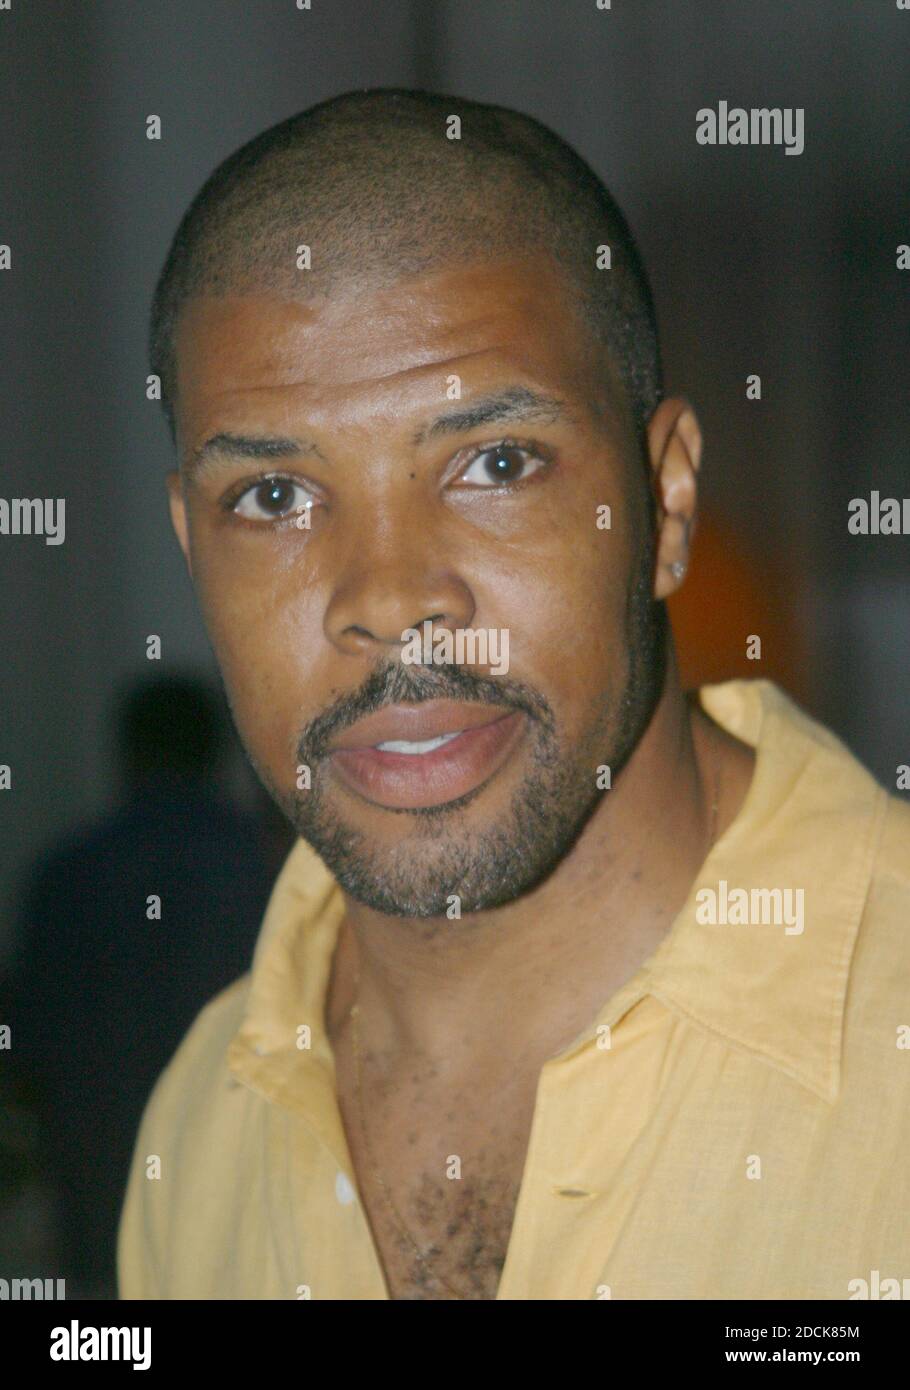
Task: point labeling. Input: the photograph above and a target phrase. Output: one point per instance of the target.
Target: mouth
(405, 757)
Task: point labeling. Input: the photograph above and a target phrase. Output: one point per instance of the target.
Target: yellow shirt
(739, 1129)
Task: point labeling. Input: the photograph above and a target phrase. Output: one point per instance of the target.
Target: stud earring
(677, 569)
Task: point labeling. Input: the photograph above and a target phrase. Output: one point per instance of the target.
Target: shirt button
(344, 1189)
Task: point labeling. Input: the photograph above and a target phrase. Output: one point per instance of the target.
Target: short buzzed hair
(374, 184)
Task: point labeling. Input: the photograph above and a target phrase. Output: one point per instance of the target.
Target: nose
(380, 595)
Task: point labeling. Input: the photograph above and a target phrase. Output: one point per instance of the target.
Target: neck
(525, 978)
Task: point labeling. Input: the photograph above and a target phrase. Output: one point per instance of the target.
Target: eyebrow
(512, 404)
(227, 445)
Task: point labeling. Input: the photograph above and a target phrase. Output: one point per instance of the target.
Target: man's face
(402, 426)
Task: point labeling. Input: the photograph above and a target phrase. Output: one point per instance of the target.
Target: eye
(499, 465)
(272, 499)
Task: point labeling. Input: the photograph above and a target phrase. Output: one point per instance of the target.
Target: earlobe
(178, 517)
(676, 458)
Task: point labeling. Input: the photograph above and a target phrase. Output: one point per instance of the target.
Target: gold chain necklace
(423, 1256)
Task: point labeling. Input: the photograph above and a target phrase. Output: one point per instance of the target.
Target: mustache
(396, 683)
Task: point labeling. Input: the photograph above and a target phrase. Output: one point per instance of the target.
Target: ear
(674, 447)
(178, 517)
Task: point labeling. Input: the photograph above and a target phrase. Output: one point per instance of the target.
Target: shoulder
(879, 979)
(199, 1066)
(892, 864)
(883, 944)
(185, 1134)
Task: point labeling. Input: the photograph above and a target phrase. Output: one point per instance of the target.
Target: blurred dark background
(760, 262)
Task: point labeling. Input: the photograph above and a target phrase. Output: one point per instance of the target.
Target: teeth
(403, 746)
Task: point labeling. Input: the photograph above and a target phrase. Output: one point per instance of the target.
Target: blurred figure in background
(108, 981)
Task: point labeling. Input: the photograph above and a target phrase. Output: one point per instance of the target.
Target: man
(573, 986)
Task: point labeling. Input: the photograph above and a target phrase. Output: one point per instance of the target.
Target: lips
(410, 756)
(415, 723)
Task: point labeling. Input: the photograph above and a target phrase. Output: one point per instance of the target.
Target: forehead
(362, 351)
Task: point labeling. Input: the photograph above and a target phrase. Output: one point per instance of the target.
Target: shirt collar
(288, 986)
(810, 820)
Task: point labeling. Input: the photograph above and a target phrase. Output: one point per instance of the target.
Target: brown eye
(506, 463)
(272, 499)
